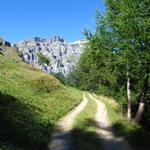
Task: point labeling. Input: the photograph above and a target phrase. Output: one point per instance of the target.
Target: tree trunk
(140, 111)
(129, 113)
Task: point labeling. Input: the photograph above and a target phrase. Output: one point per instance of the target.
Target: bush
(43, 59)
(46, 84)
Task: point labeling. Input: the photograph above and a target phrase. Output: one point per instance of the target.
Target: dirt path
(109, 141)
(60, 138)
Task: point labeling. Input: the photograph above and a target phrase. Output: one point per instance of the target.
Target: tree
(91, 73)
(43, 59)
(129, 20)
(119, 50)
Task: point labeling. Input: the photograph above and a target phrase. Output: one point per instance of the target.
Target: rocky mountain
(52, 54)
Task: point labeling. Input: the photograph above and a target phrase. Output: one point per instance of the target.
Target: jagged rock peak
(39, 39)
(56, 38)
(62, 55)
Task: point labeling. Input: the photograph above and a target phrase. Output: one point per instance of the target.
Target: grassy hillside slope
(9, 51)
(30, 104)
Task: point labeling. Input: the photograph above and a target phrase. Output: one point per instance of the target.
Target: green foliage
(11, 53)
(46, 84)
(43, 59)
(60, 77)
(119, 45)
(30, 105)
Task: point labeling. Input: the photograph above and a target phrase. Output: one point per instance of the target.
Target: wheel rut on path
(61, 136)
(104, 130)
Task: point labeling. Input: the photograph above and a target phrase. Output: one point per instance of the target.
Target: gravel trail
(61, 136)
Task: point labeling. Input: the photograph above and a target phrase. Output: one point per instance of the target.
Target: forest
(116, 60)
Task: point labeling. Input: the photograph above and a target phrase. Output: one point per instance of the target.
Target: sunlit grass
(31, 102)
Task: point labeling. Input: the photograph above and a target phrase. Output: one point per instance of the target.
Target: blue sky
(22, 19)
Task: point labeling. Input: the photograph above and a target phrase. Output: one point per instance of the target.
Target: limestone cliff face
(62, 55)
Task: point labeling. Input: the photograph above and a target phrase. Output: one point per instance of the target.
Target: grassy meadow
(31, 102)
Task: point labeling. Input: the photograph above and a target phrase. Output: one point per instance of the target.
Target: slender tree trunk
(140, 111)
(129, 113)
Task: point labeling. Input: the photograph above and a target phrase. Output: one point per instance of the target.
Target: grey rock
(63, 56)
(1, 51)
(6, 43)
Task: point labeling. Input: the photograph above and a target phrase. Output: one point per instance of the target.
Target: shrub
(46, 84)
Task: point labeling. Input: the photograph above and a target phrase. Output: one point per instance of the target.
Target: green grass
(132, 131)
(11, 53)
(31, 102)
(84, 135)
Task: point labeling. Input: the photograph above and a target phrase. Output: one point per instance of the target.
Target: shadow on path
(62, 135)
(86, 140)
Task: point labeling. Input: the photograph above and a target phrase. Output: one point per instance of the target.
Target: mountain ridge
(61, 54)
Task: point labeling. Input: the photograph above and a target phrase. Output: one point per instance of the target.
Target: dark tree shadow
(137, 137)
(86, 140)
(20, 125)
